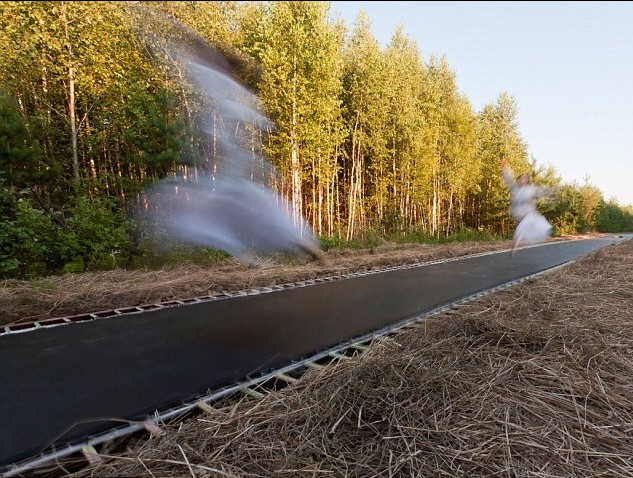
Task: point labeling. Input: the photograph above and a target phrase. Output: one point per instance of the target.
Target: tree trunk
(295, 166)
(71, 97)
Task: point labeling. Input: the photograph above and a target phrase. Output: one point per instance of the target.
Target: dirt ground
(531, 381)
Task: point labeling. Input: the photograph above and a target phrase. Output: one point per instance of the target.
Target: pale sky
(568, 65)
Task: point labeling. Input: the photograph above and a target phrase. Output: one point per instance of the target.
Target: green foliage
(488, 201)
(416, 235)
(300, 88)
(86, 236)
(8, 201)
(412, 236)
(28, 240)
(451, 153)
(159, 137)
(470, 235)
(21, 160)
(75, 266)
(572, 208)
(97, 232)
(420, 236)
(613, 218)
(337, 242)
(152, 256)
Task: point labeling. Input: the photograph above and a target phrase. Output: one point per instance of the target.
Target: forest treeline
(368, 141)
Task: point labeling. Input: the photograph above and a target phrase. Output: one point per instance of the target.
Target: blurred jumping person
(532, 227)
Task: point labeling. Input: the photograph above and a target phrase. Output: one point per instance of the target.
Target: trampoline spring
(358, 346)
(204, 406)
(252, 393)
(285, 378)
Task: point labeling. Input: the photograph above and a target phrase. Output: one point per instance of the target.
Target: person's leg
(517, 239)
(515, 246)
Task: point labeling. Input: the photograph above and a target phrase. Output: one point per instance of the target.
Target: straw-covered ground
(531, 381)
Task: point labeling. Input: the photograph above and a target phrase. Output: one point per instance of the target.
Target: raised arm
(508, 176)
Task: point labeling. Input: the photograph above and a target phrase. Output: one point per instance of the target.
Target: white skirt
(532, 229)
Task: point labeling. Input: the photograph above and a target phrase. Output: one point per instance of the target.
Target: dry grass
(534, 381)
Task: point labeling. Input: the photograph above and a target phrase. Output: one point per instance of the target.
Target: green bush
(469, 235)
(336, 241)
(28, 241)
(153, 253)
(89, 235)
(75, 266)
(613, 218)
(97, 232)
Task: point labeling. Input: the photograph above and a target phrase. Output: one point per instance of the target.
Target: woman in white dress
(532, 227)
